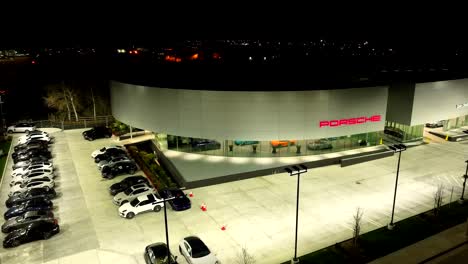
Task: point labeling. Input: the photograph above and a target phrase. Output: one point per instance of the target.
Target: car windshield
(128, 191)
(134, 202)
(199, 249)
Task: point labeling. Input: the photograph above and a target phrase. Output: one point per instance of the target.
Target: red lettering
(324, 123)
(351, 121)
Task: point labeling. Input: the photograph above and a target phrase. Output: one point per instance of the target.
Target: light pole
(169, 259)
(462, 198)
(295, 170)
(396, 148)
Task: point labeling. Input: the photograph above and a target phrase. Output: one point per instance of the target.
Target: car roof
(150, 197)
(33, 213)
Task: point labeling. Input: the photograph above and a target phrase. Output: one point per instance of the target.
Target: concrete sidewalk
(424, 250)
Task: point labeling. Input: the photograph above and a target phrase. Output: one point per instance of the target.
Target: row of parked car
(135, 195)
(29, 216)
(113, 161)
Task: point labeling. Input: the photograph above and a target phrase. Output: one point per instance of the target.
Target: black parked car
(97, 132)
(45, 193)
(32, 232)
(119, 167)
(157, 254)
(36, 204)
(181, 202)
(126, 183)
(30, 143)
(32, 153)
(29, 148)
(26, 219)
(111, 152)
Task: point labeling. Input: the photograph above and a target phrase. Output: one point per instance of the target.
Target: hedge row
(148, 165)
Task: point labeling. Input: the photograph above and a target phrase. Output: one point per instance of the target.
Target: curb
(444, 252)
(6, 162)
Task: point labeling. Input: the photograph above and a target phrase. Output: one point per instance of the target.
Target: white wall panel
(246, 115)
(435, 101)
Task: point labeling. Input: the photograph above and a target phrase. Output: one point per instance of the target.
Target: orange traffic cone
(191, 194)
(223, 227)
(203, 207)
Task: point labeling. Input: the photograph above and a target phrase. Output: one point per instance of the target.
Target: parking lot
(258, 213)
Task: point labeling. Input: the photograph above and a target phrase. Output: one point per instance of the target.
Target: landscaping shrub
(148, 165)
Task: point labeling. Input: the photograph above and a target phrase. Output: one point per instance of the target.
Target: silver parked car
(132, 193)
(104, 163)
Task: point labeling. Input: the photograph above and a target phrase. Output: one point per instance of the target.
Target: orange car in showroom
(283, 143)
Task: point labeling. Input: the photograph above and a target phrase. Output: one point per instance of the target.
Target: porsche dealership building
(289, 122)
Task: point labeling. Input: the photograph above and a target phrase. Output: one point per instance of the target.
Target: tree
(57, 99)
(94, 103)
(438, 199)
(71, 94)
(357, 225)
(244, 257)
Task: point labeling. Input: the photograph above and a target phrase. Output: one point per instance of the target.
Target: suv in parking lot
(141, 204)
(21, 127)
(127, 183)
(119, 167)
(97, 132)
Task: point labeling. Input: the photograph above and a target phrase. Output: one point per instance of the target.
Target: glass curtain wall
(273, 148)
(398, 132)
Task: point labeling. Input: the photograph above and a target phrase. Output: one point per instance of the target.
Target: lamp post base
(295, 261)
(390, 226)
(461, 201)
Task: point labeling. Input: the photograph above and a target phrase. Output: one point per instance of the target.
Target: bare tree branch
(357, 225)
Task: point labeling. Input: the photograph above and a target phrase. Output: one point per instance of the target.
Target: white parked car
(24, 139)
(39, 183)
(21, 127)
(195, 251)
(104, 149)
(33, 175)
(132, 192)
(141, 204)
(34, 166)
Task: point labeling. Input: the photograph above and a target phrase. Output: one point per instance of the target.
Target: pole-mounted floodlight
(465, 176)
(296, 170)
(396, 148)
